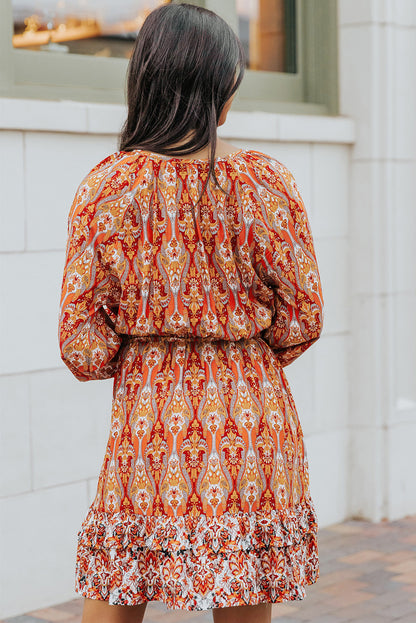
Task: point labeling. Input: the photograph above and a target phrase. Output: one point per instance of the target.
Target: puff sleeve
(288, 265)
(90, 293)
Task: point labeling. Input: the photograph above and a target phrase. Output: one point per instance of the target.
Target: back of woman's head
(186, 64)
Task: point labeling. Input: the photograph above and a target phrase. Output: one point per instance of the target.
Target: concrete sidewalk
(368, 575)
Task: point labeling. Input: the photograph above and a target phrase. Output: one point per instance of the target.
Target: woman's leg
(262, 613)
(96, 611)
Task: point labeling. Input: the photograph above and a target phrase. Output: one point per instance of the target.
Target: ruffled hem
(198, 563)
(223, 534)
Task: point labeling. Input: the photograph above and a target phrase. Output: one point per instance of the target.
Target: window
(292, 50)
(267, 29)
(101, 28)
(78, 49)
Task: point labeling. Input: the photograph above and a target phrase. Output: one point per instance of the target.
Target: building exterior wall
(377, 48)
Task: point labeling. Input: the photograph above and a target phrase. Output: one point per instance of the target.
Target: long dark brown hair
(186, 64)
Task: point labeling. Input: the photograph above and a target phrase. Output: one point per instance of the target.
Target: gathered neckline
(153, 154)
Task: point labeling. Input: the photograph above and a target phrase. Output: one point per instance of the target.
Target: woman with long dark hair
(191, 279)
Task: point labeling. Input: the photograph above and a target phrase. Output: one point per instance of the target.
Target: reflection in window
(267, 30)
(95, 27)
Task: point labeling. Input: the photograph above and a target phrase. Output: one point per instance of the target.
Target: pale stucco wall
(377, 47)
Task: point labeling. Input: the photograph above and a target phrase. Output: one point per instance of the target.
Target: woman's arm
(90, 293)
(288, 265)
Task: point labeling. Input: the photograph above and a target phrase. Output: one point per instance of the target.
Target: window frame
(268, 86)
(311, 90)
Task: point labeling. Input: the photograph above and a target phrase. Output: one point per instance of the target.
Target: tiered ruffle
(198, 563)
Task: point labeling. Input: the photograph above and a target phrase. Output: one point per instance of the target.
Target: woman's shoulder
(111, 176)
(117, 164)
(107, 183)
(269, 172)
(265, 161)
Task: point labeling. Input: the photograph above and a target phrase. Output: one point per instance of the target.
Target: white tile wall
(355, 11)
(328, 454)
(358, 88)
(378, 90)
(333, 261)
(55, 166)
(405, 411)
(330, 200)
(30, 310)
(405, 346)
(367, 471)
(381, 90)
(250, 125)
(15, 441)
(368, 353)
(404, 214)
(402, 481)
(29, 114)
(403, 12)
(316, 129)
(300, 375)
(105, 118)
(12, 207)
(404, 89)
(38, 546)
(362, 221)
(332, 383)
(382, 95)
(71, 425)
(371, 253)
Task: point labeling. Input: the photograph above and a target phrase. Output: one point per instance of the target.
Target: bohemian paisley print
(194, 302)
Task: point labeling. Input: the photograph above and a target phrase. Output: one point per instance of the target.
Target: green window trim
(312, 90)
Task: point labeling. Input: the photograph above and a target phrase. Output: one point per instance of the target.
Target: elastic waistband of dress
(186, 338)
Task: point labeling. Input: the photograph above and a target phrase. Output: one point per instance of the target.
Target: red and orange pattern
(194, 308)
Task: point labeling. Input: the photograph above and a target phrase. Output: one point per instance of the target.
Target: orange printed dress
(194, 307)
